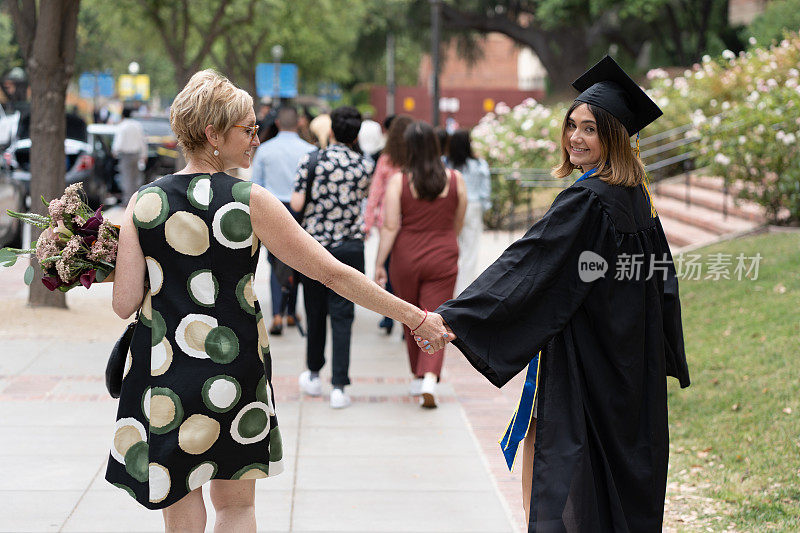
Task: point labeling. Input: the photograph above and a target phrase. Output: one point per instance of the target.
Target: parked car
(80, 159)
(162, 151)
(12, 196)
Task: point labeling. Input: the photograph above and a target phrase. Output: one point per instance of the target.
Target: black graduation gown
(600, 458)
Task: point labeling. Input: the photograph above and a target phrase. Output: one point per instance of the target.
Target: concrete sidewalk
(382, 465)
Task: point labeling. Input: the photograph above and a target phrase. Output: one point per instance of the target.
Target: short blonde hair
(208, 98)
(618, 164)
(321, 127)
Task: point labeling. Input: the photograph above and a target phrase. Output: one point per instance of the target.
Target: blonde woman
(197, 404)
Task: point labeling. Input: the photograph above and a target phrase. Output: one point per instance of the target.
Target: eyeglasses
(252, 131)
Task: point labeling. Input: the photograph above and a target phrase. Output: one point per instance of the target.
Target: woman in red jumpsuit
(424, 212)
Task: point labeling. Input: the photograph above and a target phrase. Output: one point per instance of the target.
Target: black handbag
(116, 361)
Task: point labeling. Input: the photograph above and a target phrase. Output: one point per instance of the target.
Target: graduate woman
(588, 301)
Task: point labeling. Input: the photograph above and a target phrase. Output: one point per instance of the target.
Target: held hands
(433, 334)
(381, 277)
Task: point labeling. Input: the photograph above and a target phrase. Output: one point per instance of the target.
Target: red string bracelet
(414, 331)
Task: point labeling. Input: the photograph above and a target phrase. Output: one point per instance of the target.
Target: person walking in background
(130, 148)
(320, 126)
(478, 181)
(303, 126)
(329, 190)
(371, 140)
(443, 136)
(423, 214)
(274, 167)
(391, 161)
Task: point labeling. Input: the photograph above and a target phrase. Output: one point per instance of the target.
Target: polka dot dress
(196, 401)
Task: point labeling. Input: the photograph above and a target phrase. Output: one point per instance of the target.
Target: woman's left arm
(282, 236)
(462, 201)
(391, 225)
(130, 267)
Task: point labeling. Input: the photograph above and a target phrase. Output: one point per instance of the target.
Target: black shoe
(387, 324)
(276, 329)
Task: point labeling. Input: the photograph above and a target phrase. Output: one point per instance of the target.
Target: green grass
(730, 435)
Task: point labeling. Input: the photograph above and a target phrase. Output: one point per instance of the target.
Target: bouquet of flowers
(77, 246)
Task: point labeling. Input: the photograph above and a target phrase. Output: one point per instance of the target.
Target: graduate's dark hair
(424, 162)
(395, 148)
(618, 164)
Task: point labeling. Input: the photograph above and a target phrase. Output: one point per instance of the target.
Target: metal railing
(670, 153)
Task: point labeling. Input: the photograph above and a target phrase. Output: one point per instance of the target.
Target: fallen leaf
(735, 407)
(715, 381)
(780, 288)
(787, 410)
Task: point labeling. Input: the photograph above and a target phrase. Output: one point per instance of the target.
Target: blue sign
(287, 80)
(96, 84)
(329, 91)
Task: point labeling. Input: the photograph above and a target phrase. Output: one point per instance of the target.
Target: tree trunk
(50, 57)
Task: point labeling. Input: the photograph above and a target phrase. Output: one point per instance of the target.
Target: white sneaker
(309, 385)
(339, 400)
(415, 389)
(428, 390)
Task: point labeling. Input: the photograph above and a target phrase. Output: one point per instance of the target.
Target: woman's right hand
(381, 277)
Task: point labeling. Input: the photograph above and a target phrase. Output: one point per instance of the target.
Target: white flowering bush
(526, 136)
(755, 141)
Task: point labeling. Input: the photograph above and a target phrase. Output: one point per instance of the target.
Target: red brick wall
(496, 69)
(471, 100)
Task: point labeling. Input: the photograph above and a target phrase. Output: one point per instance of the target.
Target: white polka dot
(202, 191)
(200, 475)
(158, 480)
(155, 274)
(202, 287)
(222, 393)
(146, 403)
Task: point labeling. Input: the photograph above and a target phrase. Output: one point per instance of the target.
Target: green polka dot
(199, 192)
(235, 225)
(166, 410)
(252, 423)
(222, 345)
(159, 328)
(261, 391)
(253, 471)
(241, 192)
(221, 393)
(245, 294)
(137, 461)
(126, 489)
(275, 445)
(151, 209)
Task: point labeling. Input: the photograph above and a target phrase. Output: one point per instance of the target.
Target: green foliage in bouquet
(77, 246)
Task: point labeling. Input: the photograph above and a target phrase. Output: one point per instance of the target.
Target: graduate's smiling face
(581, 139)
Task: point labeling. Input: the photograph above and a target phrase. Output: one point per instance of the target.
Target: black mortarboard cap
(607, 86)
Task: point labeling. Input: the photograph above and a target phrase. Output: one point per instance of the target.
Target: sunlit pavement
(384, 464)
